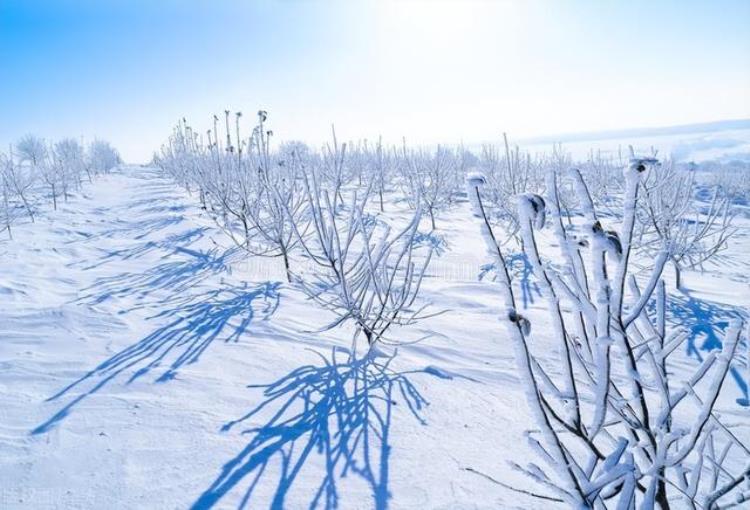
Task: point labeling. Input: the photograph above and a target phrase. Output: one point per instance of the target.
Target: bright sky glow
(430, 70)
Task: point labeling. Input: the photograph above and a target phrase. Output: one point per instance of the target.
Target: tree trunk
(368, 336)
(286, 266)
(677, 274)
(25, 202)
(661, 492)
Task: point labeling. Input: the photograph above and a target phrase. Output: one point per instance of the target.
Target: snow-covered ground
(144, 363)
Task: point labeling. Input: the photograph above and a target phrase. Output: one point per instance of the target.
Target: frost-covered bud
(614, 246)
(262, 115)
(521, 321)
(533, 207)
(569, 408)
(575, 242)
(606, 240)
(637, 166)
(475, 179)
(474, 182)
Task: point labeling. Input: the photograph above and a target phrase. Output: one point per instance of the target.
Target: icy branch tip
(532, 207)
(475, 179)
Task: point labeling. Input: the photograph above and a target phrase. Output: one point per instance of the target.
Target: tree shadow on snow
(339, 411)
(706, 323)
(182, 270)
(194, 323)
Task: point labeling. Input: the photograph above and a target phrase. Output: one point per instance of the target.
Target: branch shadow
(170, 243)
(706, 322)
(194, 323)
(139, 229)
(435, 242)
(520, 270)
(339, 409)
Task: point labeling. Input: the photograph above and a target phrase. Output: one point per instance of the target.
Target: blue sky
(430, 70)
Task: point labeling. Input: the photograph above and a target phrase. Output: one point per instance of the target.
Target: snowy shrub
(616, 428)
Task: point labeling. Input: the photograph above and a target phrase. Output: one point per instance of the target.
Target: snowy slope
(144, 363)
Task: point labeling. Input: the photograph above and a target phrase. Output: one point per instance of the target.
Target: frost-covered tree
(32, 149)
(615, 427)
(69, 164)
(277, 204)
(50, 173)
(381, 170)
(252, 192)
(33, 164)
(507, 172)
(731, 178)
(101, 157)
(672, 218)
(332, 171)
(369, 274)
(19, 181)
(7, 210)
(430, 179)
